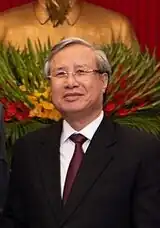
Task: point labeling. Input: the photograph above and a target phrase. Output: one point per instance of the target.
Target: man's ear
(105, 81)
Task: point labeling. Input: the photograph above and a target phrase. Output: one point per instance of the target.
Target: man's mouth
(72, 96)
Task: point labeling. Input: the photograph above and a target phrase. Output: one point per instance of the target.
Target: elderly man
(84, 171)
(57, 19)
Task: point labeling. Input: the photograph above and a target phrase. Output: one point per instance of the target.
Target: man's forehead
(82, 55)
(74, 65)
(79, 49)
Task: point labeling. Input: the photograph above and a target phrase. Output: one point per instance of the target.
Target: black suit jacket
(117, 186)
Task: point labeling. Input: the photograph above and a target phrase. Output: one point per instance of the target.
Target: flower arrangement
(132, 97)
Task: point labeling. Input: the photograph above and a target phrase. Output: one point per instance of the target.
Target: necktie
(74, 165)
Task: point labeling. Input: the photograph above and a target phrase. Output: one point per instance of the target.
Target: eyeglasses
(78, 73)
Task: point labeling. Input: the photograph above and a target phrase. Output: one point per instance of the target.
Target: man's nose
(71, 80)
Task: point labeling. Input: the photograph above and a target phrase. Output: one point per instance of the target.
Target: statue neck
(42, 14)
(41, 3)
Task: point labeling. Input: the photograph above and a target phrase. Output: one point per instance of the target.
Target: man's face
(76, 93)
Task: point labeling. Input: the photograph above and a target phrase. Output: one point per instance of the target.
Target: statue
(57, 19)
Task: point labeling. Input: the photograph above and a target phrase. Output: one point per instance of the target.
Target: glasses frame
(88, 71)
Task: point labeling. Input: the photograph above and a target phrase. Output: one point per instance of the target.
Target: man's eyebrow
(60, 68)
(75, 66)
(81, 65)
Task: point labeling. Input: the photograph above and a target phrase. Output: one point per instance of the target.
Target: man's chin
(72, 110)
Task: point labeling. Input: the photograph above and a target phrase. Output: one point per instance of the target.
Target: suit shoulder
(136, 133)
(40, 134)
(141, 142)
(27, 147)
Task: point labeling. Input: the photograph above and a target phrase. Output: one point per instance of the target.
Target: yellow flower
(46, 94)
(36, 112)
(32, 98)
(40, 112)
(23, 88)
(37, 94)
(47, 105)
(43, 106)
(54, 115)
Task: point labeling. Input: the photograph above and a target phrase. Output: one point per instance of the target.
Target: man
(57, 19)
(83, 171)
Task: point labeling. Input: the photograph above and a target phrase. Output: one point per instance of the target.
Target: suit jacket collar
(97, 158)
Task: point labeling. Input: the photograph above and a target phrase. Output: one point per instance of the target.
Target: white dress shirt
(67, 146)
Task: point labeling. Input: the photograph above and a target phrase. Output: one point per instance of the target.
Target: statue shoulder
(19, 13)
(13, 19)
(105, 15)
(119, 24)
(2, 26)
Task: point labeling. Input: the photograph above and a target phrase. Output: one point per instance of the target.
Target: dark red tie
(74, 165)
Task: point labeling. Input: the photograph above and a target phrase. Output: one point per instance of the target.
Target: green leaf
(145, 123)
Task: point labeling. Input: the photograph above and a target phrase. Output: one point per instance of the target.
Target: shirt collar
(87, 131)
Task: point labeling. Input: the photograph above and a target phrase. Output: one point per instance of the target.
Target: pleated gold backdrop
(143, 14)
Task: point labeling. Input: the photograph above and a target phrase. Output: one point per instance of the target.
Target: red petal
(110, 107)
(123, 112)
(7, 117)
(11, 109)
(3, 100)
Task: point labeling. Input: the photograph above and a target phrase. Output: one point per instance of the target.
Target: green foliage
(147, 123)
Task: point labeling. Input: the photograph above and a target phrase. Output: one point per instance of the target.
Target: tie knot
(78, 138)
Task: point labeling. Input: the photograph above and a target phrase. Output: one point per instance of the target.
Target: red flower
(120, 97)
(7, 117)
(133, 109)
(11, 109)
(119, 72)
(22, 111)
(3, 100)
(141, 105)
(110, 107)
(15, 110)
(21, 115)
(123, 82)
(123, 112)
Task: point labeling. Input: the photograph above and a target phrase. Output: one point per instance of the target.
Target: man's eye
(80, 71)
(60, 74)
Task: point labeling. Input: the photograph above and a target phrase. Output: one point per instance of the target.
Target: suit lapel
(49, 163)
(97, 158)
